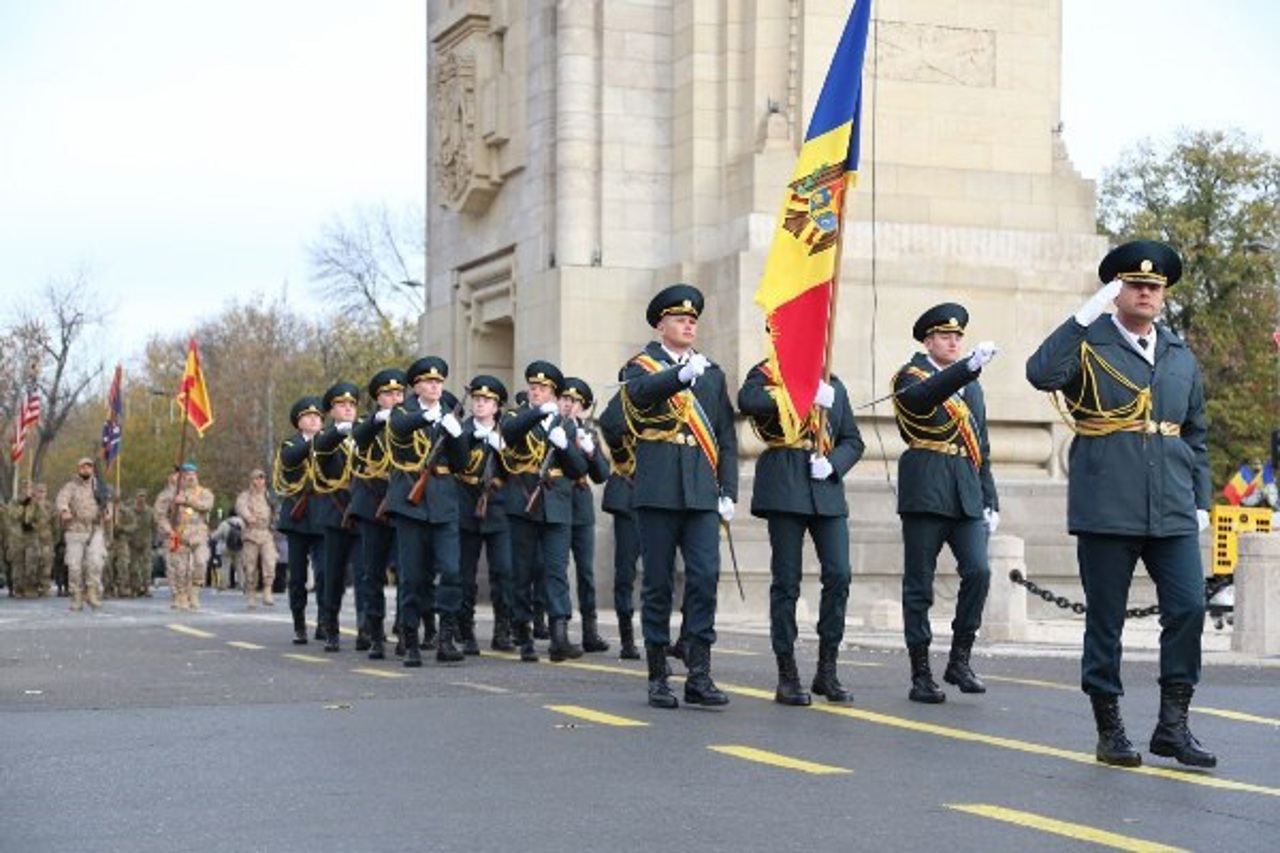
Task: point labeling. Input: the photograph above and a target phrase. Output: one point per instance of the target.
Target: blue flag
(112, 429)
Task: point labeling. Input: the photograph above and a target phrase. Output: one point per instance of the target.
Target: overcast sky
(184, 153)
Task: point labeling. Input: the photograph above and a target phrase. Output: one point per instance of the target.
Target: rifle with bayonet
(437, 447)
(544, 469)
(488, 480)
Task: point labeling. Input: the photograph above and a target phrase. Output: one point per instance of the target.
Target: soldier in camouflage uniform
(119, 583)
(83, 519)
(29, 535)
(183, 518)
(258, 554)
(140, 546)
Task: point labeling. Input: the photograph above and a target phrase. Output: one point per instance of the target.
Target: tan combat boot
(253, 600)
(267, 597)
(76, 602)
(193, 597)
(92, 594)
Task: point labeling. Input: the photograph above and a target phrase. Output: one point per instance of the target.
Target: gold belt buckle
(1151, 427)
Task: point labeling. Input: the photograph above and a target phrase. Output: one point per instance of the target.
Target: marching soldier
(542, 455)
(141, 543)
(293, 479)
(258, 553)
(800, 488)
(617, 501)
(83, 516)
(1138, 486)
(482, 515)
(372, 473)
(576, 400)
(126, 524)
(183, 517)
(686, 483)
(333, 454)
(40, 547)
(946, 494)
(30, 543)
(422, 500)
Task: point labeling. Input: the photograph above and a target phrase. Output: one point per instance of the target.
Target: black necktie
(1142, 342)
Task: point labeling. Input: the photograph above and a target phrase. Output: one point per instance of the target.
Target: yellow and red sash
(687, 411)
(961, 418)
(815, 425)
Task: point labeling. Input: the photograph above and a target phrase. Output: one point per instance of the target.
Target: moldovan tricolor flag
(800, 273)
(193, 394)
(1240, 486)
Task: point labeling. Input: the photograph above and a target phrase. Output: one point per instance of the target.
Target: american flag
(29, 417)
(111, 430)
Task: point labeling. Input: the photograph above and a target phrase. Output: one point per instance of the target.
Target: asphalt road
(140, 729)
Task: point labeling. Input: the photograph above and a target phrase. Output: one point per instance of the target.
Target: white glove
(1096, 304)
(693, 368)
(982, 355)
(343, 426)
(306, 438)
(586, 443)
(1202, 520)
(495, 440)
(826, 396)
(451, 425)
(482, 432)
(725, 508)
(820, 467)
(992, 518)
(558, 437)
(431, 415)
(551, 407)
(381, 415)
(547, 422)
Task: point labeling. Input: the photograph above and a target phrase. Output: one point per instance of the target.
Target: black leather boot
(660, 695)
(363, 639)
(958, 671)
(1113, 744)
(321, 632)
(561, 649)
(299, 628)
(789, 691)
(591, 639)
(1172, 738)
(467, 633)
(524, 634)
(679, 649)
(923, 687)
(446, 651)
(501, 641)
(699, 689)
(628, 635)
(540, 631)
(377, 651)
(412, 654)
(429, 632)
(826, 682)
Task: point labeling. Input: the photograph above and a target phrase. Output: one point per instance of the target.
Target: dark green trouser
(923, 535)
(786, 540)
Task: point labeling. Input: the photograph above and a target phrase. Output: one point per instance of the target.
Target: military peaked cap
(428, 367)
(544, 373)
(305, 405)
(391, 379)
(1147, 261)
(947, 317)
(676, 299)
(489, 386)
(341, 392)
(578, 390)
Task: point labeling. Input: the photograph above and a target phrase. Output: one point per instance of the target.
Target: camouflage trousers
(115, 574)
(257, 560)
(185, 569)
(85, 557)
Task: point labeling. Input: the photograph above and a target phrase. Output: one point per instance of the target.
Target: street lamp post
(1266, 248)
(416, 285)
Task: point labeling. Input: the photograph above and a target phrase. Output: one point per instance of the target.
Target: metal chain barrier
(1074, 606)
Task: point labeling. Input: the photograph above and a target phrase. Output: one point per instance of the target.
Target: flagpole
(832, 305)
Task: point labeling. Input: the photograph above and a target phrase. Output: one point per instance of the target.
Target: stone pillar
(1005, 616)
(1257, 606)
(577, 137)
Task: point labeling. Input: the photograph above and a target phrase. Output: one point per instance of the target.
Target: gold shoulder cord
(283, 486)
(1085, 415)
(325, 485)
(627, 467)
(919, 428)
(419, 444)
(375, 463)
(527, 461)
(679, 408)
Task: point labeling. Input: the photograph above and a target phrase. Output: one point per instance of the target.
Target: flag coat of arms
(798, 285)
(112, 429)
(193, 393)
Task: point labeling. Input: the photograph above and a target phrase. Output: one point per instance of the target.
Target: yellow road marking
(350, 632)
(1236, 715)
(594, 716)
(1031, 682)
(380, 673)
(740, 652)
(308, 658)
(760, 756)
(484, 688)
(239, 644)
(1076, 831)
(191, 632)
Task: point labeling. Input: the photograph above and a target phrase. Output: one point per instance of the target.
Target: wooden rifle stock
(487, 481)
(543, 470)
(299, 508)
(437, 447)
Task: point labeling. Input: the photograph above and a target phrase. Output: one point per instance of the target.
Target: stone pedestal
(1005, 616)
(1257, 606)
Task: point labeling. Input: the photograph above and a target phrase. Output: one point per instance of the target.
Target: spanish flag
(801, 270)
(193, 394)
(1240, 486)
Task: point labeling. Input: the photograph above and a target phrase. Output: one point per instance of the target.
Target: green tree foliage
(1215, 197)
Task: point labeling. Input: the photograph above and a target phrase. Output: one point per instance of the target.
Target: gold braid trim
(1085, 415)
(419, 444)
(290, 487)
(325, 485)
(528, 461)
(919, 429)
(627, 450)
(679, 408)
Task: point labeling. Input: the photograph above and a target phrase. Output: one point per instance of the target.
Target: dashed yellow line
(1075, 831)
(595, 716)
(307, 658)
(774, 759)
(191, 632)
(380, 673)
(738, 652)
(350, 632)
(483, 688)
(240, 644)
(1031, 682)
(1235, 715)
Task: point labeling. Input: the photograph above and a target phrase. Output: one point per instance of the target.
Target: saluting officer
(800, 488)
(576, 400)
(482, 516)
(372, 472)
(946, 494)
(617, 501)
(333, 456)
(293, 479)
(422, 500)
(686, 482)
(1138, 486)
(542, 456)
